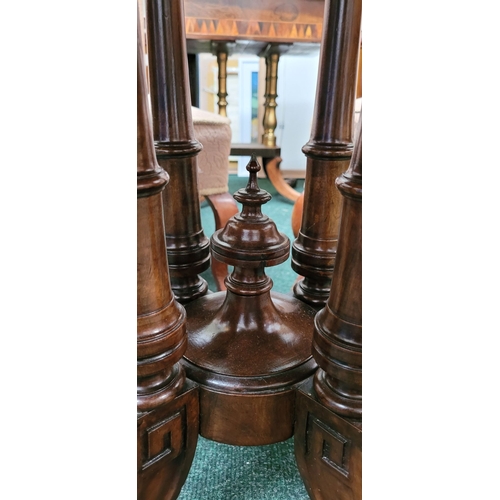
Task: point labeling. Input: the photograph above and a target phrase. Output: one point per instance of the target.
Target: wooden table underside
(274, 21)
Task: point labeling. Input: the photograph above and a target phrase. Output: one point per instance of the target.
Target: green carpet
(225, 472)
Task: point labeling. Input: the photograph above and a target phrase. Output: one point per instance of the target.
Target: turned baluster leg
(248, 347)
(328, 151)
(269, 121)
(328, 417)
(176, 148)
(167, 403)
(222, 78)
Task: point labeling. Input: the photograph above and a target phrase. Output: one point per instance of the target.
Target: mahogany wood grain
(167, 404)
(328, 151)
(328, 419)
(248, 347)
(176, 148)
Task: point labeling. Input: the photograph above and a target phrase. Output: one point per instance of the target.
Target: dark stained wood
(248, 347)
(271, 158)
(247, 47)
(167, 404)
(194, 80)
(328, 428)
(176, 148)
(328, 151)
(327, 449)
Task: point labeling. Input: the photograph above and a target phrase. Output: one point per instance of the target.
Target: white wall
(297, 77)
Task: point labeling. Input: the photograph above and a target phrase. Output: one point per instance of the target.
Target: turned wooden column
(167, 404)
(269, 121)
(328, 151)
(328, 426)
(248, 347)
(222, 53)
(176, 148)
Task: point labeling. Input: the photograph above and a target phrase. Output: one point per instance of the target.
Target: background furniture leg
(223, 207)
(222, 78)
(275, 176)
(249, 348)
(269, 121)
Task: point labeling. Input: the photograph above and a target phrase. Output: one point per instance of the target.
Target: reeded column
(328, 421)
(269, 121)
(176, 148)
(167, 404)
(328, 151)
(222, 78)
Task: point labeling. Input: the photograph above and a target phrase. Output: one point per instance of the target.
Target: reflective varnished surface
(167, 403)
(249, 348)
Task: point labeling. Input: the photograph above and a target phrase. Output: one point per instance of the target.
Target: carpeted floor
(225, 472)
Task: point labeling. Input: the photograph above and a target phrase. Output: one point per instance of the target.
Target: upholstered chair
(214, 133)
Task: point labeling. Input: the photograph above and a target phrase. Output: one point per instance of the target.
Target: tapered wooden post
(328, 418)
(167, 404)
(328, 151)
(176, 148)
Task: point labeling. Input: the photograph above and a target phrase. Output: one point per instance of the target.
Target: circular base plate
(248, 354)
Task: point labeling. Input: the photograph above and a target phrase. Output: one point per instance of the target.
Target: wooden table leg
(167, 403)
(328, 151)
(176, 148)
(328, 418)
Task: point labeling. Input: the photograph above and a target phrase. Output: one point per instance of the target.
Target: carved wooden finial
(249, 347)
(253, 167)
(250, 238)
